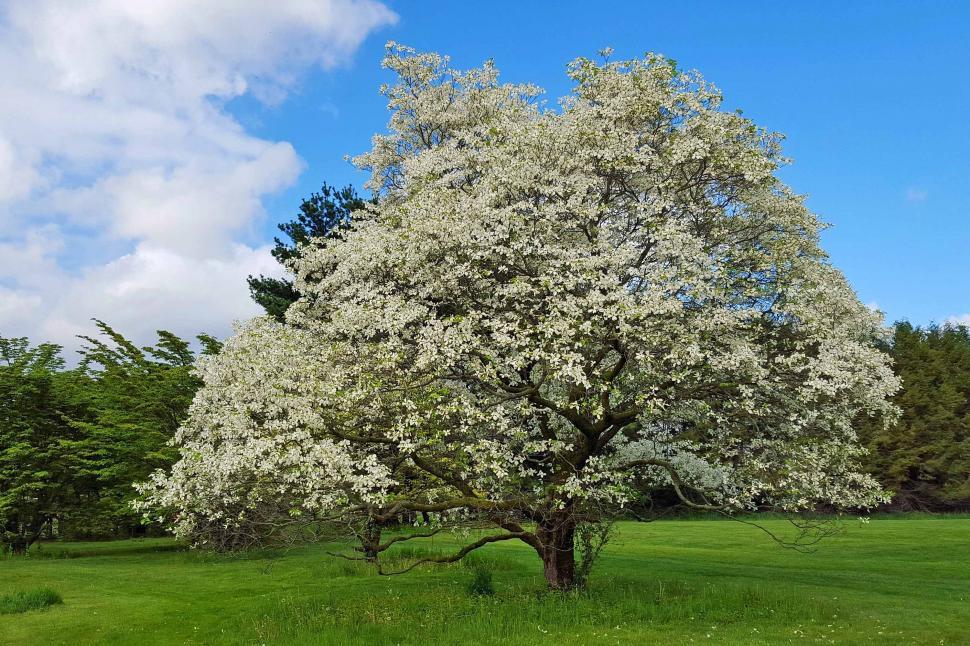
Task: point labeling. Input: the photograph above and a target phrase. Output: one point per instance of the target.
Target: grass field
(670, 582)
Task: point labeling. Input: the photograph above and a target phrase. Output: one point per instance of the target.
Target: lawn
(672, 582)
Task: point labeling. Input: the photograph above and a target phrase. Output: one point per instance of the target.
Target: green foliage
(18, 602)
(481, 584)
(38, 463)
(667, 582)
(925, 457)
(323, 215)
(591, 538)
(72, 442)
(135, 399)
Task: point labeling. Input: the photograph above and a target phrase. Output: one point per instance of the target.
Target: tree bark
(19, 545)
(24, 535)
(370, 540)
(557, 537)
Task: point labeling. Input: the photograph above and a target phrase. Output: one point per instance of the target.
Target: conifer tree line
(74, 440)
(924, 459)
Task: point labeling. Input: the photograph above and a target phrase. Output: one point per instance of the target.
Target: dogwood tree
(549, 312)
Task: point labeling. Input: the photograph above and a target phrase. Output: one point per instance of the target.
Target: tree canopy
(549, 313)
(38, 463)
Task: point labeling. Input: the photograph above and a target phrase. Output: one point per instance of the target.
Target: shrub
(31, 600)
(481, 581)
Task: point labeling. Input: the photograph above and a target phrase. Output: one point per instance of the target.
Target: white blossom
(553, 308)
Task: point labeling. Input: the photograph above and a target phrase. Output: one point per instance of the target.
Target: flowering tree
(547, 313)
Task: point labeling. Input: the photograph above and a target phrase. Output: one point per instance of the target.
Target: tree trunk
(19, 545)
(24, 535)
(370, 540)
(556, 535)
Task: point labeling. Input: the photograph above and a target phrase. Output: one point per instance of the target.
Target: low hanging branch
(460, 554)
(408, 537)
(387, 544)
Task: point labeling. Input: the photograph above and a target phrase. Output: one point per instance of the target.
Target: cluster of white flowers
(257, 446)
(546, 308)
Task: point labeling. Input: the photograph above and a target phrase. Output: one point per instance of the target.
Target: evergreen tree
(925, 457)
(323, 215)
(136, 399)
(38, 465)
(72, 442)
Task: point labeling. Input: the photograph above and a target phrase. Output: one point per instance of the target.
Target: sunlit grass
(887, 582)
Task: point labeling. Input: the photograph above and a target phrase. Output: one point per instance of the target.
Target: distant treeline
(72, 441)
(925, 458)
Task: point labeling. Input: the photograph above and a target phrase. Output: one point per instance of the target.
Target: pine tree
(323, 215)
(38, 466)
(925, 457)
(136, 399)
(72, 442)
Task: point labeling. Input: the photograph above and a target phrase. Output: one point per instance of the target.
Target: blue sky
(872, 96)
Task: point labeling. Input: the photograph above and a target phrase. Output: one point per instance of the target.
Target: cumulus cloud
(146, 289)
(114, 136)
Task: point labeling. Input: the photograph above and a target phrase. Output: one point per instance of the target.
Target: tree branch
(406, 537)
(675, 481)
(459, 555)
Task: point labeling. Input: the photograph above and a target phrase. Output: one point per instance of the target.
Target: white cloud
(113, 134)
(916, 195)
(18, 177)
(145, 290)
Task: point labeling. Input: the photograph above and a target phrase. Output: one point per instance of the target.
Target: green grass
(676, 582)
(17, 602)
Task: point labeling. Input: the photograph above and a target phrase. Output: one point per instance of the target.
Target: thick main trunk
(24, 535)
(19, 545)
(556, 536)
